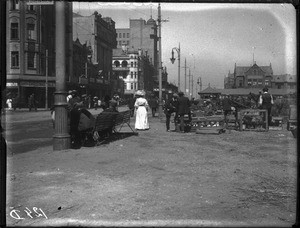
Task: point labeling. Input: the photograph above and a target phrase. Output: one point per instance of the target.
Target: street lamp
(173, 60)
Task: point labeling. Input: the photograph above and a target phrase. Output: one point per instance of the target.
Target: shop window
(30, 31)
(14, 29)
(14, 59)
(30, 60)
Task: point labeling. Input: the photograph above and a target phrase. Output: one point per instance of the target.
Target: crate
(277, 123)
(209, 125)
(252, 120)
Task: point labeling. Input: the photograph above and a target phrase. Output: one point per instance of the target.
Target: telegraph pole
(185, 75)
(61, 138)
(160, 113)
(189, 83)
(46, 84)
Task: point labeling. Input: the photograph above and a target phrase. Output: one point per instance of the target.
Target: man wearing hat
(266, 101)
(170, 107)
(183, 109)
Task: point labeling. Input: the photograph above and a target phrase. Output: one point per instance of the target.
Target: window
(127, 35)
(249, 82)
(131, 85)
(255, 72)
(123, 35)
(135, 63)
(120, 43)
(266, 82)
(131, 74)
(254, 81)
(14, 59)
(30, 59)
(14, 5)
(30, 31)
(30, 7)
(120, 35)
(240, 83)
(14, 29)
(259, 82)
(135, 85)
(131, 64)
(135, 75)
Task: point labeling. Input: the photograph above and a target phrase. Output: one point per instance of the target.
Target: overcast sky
(214, 36)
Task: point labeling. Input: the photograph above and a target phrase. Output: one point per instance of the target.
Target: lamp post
(173, 60)
(193, 76)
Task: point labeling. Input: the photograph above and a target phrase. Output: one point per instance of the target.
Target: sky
(213, 37)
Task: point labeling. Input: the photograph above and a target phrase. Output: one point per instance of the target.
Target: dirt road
(159, 178)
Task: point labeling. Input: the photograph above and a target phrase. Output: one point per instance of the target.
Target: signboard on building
(11, 84)
(36, 84)
(36, 2)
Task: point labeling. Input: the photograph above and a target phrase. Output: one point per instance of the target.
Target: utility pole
(189, 83)
(61, 137)
(185, 75)
(160, 112)
(46, 84)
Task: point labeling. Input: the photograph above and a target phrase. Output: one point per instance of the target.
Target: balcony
(120, 68)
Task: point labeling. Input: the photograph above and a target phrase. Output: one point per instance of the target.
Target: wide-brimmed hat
(175, 95)
(180, 93)
(140, 93)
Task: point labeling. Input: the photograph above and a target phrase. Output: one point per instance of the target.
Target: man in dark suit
(183, 108)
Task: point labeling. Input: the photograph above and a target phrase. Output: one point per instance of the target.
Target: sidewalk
(158, 178)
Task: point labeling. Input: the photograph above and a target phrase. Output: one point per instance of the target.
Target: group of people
(178, 104)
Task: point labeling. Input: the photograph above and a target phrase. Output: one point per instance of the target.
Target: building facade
(249, 77)
(100, 35)
(30, 35)
(123, 37)
(285, 81)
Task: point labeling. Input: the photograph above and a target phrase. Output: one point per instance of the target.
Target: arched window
(14, 28)
(117, 63)
(124, 63)
(31, 28)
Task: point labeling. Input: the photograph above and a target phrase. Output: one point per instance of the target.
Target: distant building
(285, 81)
(100, 35)
(30, 32)
(123, 37)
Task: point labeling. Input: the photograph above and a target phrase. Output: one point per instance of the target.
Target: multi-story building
(285, 81)
(134, 68)
(30, 34)
(249, 77)
(100, 35)
(123, 37)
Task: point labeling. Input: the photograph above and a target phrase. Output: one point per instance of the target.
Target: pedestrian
(227, 108)
(69, 95)
(169, 108)
(183, 109)
(130, 104)
(9, 103)
(95, 102)
(32, 102)
(113, 106)
(75, 104)
(141, 105)
(266, 101)
(105, 103)
(153, 103)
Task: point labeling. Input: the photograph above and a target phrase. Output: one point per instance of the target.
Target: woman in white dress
(141, 106)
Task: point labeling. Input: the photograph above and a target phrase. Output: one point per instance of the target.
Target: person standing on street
(32, 102)
(169, 108)
(266, 101)
(141, 106)
(226, 106)
(183, 109)
(153, 103)
(9, 103)
(130, 104)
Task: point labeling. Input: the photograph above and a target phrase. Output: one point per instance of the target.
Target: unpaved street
(159, 178)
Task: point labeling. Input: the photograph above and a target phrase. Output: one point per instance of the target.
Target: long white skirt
(141, 118)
